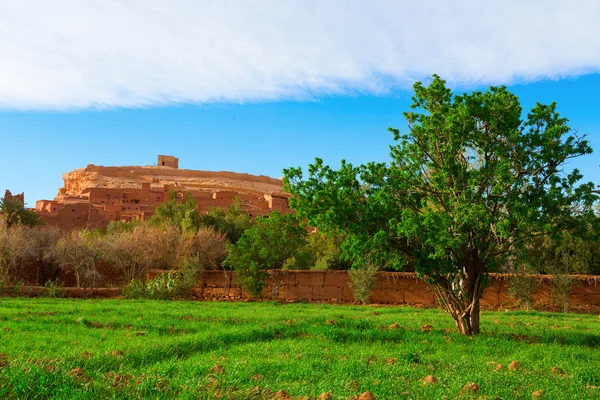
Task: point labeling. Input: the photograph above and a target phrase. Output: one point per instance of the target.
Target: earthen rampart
(393, 288)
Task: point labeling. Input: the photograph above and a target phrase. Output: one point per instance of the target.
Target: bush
(231, 222)
(363, 282)
(143, 248)
(522, 289)
(54, 289)
(78, 253)
(267, 245)
(21, 246)
(561, 287)
(204, 250)
(171, 285)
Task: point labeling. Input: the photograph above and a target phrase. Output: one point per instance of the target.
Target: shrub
(141, 249)
(162, 287)
(322, 252)
(179, 212)
(54, 289)
(522, 289)
(363, 282)
(204, 250)
(198, 252)
(78, 253)
(267, 245)
(231, 222)
(21, 246)
(561, 286)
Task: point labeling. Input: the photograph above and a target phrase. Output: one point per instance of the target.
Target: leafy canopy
(181, 214)
(469, 184)
(266, 245)
(13, 212)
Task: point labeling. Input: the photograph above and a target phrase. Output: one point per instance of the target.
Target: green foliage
(523, 286)
(115, 227)
(322, 252)
(467, 186)
(13, 212)
(363, 282)
(170, 285)
(266, 245)
(180, 213)
(231, 222)
(54, 289)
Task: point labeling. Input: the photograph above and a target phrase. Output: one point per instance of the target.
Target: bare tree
(78, 254)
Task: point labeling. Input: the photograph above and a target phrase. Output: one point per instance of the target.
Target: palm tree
(13, 212)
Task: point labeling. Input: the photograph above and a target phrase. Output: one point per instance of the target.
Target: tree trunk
(460, 298)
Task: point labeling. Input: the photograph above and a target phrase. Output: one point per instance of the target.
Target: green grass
(304, 349)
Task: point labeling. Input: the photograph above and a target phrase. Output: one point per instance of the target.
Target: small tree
(13, 212)
(201, 251)
(266, 245)
(231, 222)
(12, 242)
(78, 253)
(322, 252)
(141, 249)
(179, 213)
(39, 250)
(468, 185)
(363, 282)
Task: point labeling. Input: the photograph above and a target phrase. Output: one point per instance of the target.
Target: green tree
(321, 252)
(467, 186)
(231, 222)
(179, 213)
(266, 245)
(13, 212)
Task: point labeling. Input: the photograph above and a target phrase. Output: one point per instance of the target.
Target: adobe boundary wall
(394, 288)
(400, 288)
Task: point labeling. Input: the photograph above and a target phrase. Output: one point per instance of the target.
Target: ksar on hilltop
(95, 195)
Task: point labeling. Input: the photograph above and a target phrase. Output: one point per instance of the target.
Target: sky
(258, 86)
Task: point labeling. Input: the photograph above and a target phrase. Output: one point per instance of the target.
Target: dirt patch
(217, 369)
(470, 388)
(4, 360)
(281, 395)
(366, 396)
(514, 365)
(117, 353)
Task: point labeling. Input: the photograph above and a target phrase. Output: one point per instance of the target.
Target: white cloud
(64, 54)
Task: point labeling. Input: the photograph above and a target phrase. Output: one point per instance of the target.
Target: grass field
(61, 348)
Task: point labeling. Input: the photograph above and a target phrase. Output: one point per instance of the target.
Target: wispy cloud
(64, 54)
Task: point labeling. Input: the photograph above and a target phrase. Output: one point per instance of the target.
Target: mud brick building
(95, 195)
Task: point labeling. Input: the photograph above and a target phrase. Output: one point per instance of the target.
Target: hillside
(76, 181)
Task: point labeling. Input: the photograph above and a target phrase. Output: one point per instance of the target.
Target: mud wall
(401, 288)
(391, 288)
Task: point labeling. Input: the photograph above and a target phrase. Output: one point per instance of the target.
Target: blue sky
(268, 86)
(258, 138)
